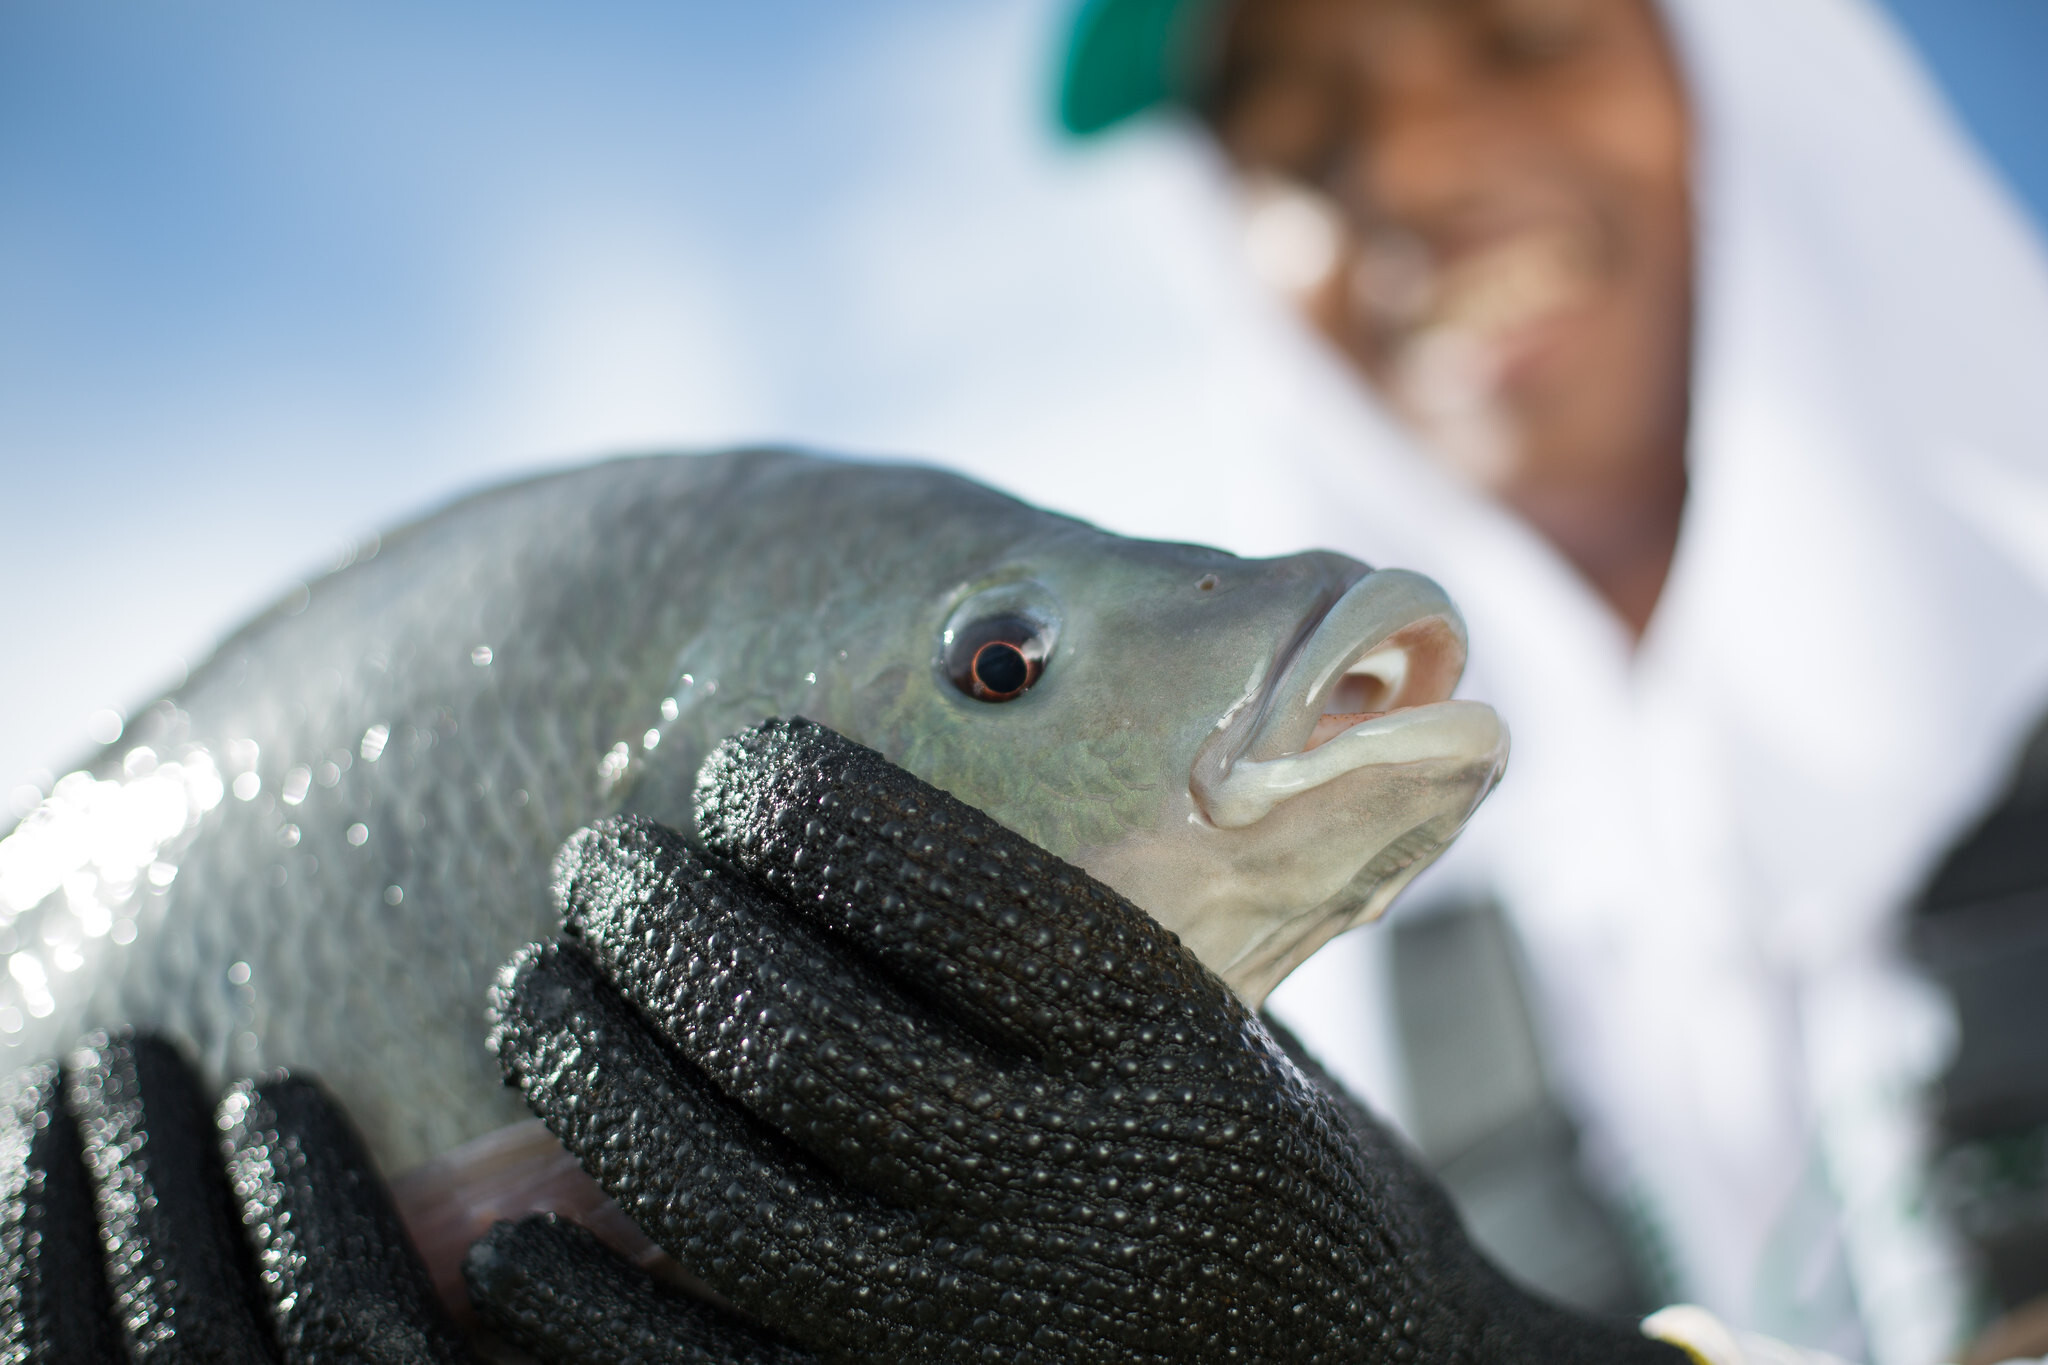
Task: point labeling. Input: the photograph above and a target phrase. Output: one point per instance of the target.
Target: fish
(318, 851)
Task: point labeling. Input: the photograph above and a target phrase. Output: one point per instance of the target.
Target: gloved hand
(139, 1221)
(904, 1087)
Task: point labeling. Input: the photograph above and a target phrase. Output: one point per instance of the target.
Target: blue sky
(1988, 56)
(271, 276)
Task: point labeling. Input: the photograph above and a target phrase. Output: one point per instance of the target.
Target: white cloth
(1710, 1341)
(1706, 845)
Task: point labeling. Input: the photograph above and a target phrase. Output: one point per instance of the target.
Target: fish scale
(318, 852)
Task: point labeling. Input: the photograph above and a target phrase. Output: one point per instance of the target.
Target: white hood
(1708, 845)
(1708, 848)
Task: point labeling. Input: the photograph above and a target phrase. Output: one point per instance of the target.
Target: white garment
(1706, 846)
(1710, 1341)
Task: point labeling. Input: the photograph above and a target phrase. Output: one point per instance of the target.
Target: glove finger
(180, 1272)
(888, 1095)
(1019, 945)
(732, 1201)
(836, 1272)
(54, 1303)
(341, 1279)
(554, 1290)
(879, 1088)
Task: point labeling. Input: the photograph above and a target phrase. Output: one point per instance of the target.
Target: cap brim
(1127, 56)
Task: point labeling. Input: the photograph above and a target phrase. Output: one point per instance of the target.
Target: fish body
(319, 850)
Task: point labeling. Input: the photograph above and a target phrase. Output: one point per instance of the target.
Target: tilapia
(317, 852)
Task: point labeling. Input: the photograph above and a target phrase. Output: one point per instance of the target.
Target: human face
(1510, 258)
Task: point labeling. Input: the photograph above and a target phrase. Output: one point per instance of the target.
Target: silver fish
(318, 851)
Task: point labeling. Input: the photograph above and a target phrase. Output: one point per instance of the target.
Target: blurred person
(1727, 353)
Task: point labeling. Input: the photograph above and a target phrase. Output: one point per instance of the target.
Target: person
(1722, 347)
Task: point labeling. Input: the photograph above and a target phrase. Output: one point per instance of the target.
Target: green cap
(1126, 56)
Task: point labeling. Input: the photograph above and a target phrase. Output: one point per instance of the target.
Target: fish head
(1260, 753)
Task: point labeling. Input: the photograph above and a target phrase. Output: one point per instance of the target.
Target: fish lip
(1262, 754)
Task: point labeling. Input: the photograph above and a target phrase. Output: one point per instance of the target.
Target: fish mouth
(1366, 686)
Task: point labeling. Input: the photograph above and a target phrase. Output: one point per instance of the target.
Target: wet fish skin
(319, 850)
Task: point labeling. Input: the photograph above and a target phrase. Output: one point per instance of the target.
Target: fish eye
(996, 659)
(996, 644)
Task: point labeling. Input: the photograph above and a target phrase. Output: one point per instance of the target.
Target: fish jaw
(1306, 813)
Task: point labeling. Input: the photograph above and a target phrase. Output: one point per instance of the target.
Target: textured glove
(142, 1222)
(904, 1087)
(554, 1289)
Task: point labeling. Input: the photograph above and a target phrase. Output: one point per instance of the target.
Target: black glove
(904, 1087)
(142, 1222)
(554, 1289)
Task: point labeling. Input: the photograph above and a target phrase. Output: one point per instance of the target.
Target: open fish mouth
(1368, 685)
(1342, 771)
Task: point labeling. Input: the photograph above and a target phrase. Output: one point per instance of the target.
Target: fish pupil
(1000, 670)
(996, 656)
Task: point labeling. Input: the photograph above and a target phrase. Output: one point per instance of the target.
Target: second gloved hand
(902, 1086)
